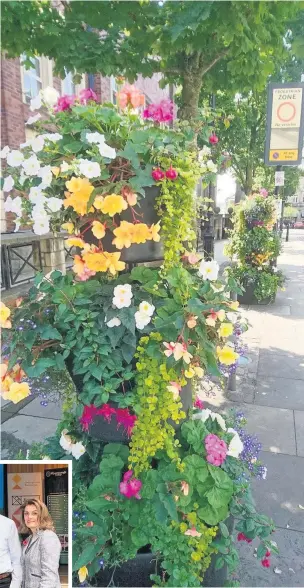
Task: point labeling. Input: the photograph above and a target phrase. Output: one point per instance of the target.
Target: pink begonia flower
(170, 348)
(180, 352)
(175, 388)
(87, 94)
(192, 322)
(130, 95)
(125, 419)
(86, 274)
(193, 532)
(264, 192)
(64, 103)
(185, 488)
(216, 449)
(130, 487)
(87, 417)
(198, 403)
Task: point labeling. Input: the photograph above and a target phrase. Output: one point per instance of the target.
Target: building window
(67, 85)
(31, 78)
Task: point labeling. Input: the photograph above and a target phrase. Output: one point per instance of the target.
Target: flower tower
(155, 474)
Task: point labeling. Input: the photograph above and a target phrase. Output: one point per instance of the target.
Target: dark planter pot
(134, 572)
(144, 252)
(248, 297)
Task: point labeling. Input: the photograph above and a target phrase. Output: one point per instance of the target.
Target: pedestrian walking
(10, 555)
(41, 550)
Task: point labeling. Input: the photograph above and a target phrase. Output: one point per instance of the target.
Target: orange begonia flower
(130, 95)
(123, 235)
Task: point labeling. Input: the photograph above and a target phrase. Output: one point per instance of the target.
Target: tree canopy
(228, 43)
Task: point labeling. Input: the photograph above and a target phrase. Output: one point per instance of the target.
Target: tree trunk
(192, 83)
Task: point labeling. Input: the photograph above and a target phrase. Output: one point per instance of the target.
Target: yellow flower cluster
(78, 195)
(5, 313)
(102, 261)
(11, 386)
(128, 233)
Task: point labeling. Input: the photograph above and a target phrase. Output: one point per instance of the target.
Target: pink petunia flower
(65, 103)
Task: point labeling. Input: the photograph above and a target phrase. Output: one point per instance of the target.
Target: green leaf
(41, 365)
(139, 537)
(224, 530)
(126, 315)
(89, 552)
(212, 516)
(219, 563)
(73, 147)
(170, 505)
(117, 449)
(48, 332)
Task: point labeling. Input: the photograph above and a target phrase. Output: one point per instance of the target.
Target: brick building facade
(18, 85)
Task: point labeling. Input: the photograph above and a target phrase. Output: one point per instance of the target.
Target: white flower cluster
(104, 149)
(76, 449)
(122, 299)
(47, 97)
(209, 270)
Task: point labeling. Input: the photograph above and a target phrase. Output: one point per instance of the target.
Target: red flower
(106, 411)
(158, 174)
(242, 537)
(125, 419)
(171, 173)
(198, 403)
(213, 139)
(25, 542)
(266, 563)
(268, 554)
(88, 415)
(130, 486)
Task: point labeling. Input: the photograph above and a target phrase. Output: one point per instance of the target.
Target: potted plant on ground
(135, 341)
(256, 247)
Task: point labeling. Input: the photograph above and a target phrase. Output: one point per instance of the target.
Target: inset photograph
(34, 521)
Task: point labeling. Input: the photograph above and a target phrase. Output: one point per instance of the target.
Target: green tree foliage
(187, 42)
(290, 212)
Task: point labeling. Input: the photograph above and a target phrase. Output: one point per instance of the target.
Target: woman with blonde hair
(41, 550)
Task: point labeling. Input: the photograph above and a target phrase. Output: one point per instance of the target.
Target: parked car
(299, 225)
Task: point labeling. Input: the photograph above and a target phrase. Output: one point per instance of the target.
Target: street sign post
(285, 124)
(279, 178)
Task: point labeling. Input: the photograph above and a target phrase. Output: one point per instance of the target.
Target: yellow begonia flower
(69, 227)
(3, 370)
(98, 202)
(55, 171)
(79, 194)
(199, 372)
(225, 330)
(98, 229)
(5, 313)
(234, 305)
(6, 383)
(154, 232)
(112, 204)
(75, 242)
(226, 355)
(221, 315)
(96, 261)
(123, 235)
(82, 574)
(141, 233)
(17, 392)
(190, 372)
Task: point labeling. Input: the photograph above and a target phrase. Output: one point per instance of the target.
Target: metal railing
(19, 261)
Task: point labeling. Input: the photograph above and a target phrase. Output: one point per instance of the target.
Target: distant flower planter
(248, 297)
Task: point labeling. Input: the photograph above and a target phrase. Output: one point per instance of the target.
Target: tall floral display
(256, 246)
(156, 475)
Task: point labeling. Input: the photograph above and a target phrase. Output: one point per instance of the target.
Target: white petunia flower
(4, 152)
(89, 169)
(50, 96)
(17, 222)
(232, 317)
(205, 152)
(95, 138)
(31, 166)
(142, 319)
(211, 166)
(114, 322)
(54, 204)
(52, 137)
(37, 143)
(78, 449)
(35, 103)
(65, 167)
(26, 144)
(36, 195)
(41, 225)
(236, 446)
(33, 119)
(8, 184)
(209, 270)
(107, 151)
(13, 205)
(45, 173)
(15, 158)
(146, 308)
